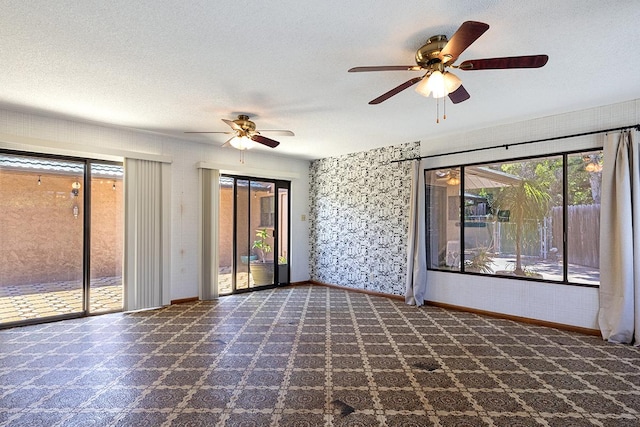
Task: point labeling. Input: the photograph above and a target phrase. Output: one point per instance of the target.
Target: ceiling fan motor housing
(244, 123)
(428, 54)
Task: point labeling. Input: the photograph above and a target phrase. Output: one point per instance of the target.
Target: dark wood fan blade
(468, 32)
(233, 124)
(459, 95)
(278, 132)
(385, 68)
(395, 90)
(530, 61)
(265, 141)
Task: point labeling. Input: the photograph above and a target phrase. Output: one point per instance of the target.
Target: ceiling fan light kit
(438, 53)
(242, 143)
(438, 84)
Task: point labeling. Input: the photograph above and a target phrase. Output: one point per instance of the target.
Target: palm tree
(526, 201)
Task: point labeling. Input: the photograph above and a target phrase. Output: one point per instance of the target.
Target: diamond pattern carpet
(312, 356)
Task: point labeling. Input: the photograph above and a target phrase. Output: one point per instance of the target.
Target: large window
(536, 218)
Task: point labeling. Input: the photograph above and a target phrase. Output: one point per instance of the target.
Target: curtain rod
(506, 146)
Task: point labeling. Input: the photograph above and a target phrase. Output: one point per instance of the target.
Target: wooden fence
(583, 242)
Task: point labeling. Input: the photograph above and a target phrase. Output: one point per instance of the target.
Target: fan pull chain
(444, 108)
(242, 156)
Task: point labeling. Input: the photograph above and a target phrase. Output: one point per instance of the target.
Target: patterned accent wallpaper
(359, 218)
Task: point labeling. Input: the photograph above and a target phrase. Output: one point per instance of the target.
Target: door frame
(279, 184)
(85, 275)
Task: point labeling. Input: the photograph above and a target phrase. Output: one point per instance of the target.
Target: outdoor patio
(550, 270)
(244, 280)
(32, 301)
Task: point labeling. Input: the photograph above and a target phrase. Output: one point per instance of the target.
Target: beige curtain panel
(619, 315)
(416, 280)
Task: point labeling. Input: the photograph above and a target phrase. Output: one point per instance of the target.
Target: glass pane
(267, 211)
(443, 218)
(511, 212)
(283, 235)
(225, 256)
(105, 292)
(584, 175)
(243, 248)
(41, 237)
(261, 229)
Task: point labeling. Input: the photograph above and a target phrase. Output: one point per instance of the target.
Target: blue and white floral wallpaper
(359, 218)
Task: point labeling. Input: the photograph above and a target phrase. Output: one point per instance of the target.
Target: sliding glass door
(254, 233)
(48, 206)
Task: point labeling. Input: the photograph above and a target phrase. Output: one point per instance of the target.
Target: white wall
(32, 132)
(570, 305)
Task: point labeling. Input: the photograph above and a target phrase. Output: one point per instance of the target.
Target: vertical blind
(208, 235)
(147, 231)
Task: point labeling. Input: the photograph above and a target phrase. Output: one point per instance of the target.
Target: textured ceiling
(170, 66)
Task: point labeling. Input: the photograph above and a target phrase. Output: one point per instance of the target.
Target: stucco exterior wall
(107, 211)
(41, 239)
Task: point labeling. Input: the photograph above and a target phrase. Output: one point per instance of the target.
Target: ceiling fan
(245, 135)
(438, 54)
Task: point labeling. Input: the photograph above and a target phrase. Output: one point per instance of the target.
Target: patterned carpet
(312, 356)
